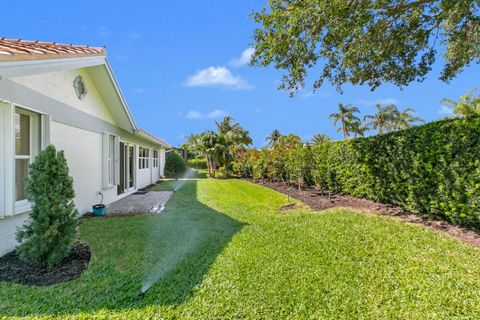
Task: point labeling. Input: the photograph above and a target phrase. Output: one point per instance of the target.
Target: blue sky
(180, 66)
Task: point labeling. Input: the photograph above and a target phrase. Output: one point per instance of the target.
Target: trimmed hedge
(197, 163)
(432, 170)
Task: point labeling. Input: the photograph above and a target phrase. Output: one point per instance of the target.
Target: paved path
(150, 202)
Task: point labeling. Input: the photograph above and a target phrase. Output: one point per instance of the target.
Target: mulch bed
(318, 201)
(12, 269)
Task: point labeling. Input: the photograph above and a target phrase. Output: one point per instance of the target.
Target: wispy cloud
(139, 91)
(103, 32)
(310, 94)
(192, 114)
(217, 77)
(445, 110)
(381, 101)
(217, 113)
(133, 35)
(214, 114)
(244, 58)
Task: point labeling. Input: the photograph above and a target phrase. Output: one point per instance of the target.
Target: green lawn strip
(223, 250)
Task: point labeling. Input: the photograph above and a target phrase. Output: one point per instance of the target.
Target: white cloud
(309, 94)
(194, 115)
(382, 101)
(103, 32)
(244, 59)
(217, 113)
(214, 114)
(217, 77)
(133, 36)
(446, 110)
(139, 91)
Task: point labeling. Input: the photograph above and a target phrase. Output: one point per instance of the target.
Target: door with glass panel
(127, 167)
(27, 142)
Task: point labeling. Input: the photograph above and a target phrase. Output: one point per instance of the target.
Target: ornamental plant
(174, 164)
(48, 236)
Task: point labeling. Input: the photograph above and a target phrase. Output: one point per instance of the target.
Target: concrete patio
(149, 202)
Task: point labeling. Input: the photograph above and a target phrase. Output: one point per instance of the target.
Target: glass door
(131, 167)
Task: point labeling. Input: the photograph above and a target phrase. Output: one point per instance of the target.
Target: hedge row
(432, 170)
(197, 163)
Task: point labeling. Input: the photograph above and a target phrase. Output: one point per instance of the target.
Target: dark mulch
(12, 269)
(318, 200)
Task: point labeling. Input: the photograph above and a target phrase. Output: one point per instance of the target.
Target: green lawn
(222, 250)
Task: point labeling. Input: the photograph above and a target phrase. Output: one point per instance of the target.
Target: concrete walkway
(150, 202)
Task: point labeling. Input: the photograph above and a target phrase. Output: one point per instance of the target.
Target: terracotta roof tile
(22, 50)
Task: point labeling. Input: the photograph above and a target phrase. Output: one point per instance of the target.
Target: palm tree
(346, 116)
(273, 138)
(358, 128)
(213, 146)
(389, 118)
(289, 140)
(405, 119)
(468, 104)
(319, 139)
(383, 119)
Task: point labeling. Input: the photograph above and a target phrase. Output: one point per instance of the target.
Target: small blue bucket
(99, 209)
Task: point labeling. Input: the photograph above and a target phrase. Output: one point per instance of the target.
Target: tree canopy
(366, 41)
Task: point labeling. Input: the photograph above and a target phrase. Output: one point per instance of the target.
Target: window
(27, 142)
(155, 158)
(143, 158)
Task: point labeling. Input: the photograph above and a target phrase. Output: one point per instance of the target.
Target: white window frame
(24, 205)
(156, 156)
(143, 158)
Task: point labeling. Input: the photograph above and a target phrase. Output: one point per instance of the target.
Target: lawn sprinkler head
(141, 294)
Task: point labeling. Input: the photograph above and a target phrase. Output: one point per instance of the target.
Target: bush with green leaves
(197, 163)
(48, 236)
(432, 169)
(174, 164)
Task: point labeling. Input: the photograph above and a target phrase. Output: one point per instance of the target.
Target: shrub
(174, 164)
(432, 170)
(197, 163)
(49, 234)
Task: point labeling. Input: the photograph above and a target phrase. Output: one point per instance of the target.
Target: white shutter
(105, 151)
(45, 131)
(116, 161)
(7, 162)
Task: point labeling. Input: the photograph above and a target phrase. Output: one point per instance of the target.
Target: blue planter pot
(99, 209)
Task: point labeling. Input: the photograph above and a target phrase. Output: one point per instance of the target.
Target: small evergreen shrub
(174, 164)
(48, 236)
(197, 163)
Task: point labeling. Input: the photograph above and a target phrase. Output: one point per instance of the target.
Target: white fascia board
(120, 95)
(152, 139)
(22, 68)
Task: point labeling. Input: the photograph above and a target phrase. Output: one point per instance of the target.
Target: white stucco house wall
(67, 95)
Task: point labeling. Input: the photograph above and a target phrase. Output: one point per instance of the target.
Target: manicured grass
(223, 250)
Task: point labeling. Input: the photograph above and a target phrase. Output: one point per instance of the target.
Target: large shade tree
(366, 41)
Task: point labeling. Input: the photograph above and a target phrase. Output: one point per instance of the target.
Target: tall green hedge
(197, 163)
(432, 170)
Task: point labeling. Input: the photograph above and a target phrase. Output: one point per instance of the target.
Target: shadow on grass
(170, 253)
